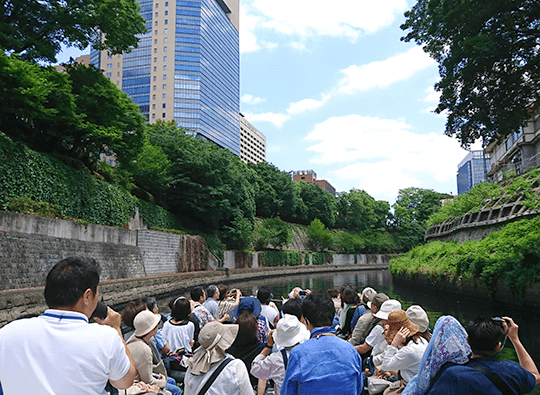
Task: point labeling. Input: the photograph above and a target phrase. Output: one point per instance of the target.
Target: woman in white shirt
(179, 331)
(405, 346)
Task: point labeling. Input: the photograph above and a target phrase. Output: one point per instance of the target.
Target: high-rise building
(186, 68)
(472, 170)
(252, 143)
(310, 177)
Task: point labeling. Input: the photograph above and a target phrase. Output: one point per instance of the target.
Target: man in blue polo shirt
(483, 374)
(324, 364)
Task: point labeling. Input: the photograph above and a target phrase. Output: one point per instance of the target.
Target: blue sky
(333, 89)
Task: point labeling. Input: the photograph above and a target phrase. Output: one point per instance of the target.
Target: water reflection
(436, 305)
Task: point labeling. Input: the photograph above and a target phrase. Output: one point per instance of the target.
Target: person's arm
(395, 359)
(259, 367)
(525, 359)
(225, 318)
(113, 320)
(363, 348)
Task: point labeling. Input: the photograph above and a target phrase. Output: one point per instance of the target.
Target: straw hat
(215, 339)
(290, 331)
(144, 322)
(418, 316)
(397, 320)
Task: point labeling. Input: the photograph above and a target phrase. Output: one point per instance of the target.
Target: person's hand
(307, 292)
(381, 374)
(113, 319)
(271, 338)
(162, 376)
(510, 326)
(400, 337)
(153, 388)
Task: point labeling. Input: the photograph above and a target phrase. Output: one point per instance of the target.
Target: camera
(302, 293)
(100, 311)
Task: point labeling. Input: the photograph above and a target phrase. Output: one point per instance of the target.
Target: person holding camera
(59, 352)
(483, 374)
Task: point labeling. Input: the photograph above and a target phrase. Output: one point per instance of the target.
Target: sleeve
(395, 359)
(160, 341)
(268, 367)
(373, 337)
(119, 362)
(358, 331)
(144, 368)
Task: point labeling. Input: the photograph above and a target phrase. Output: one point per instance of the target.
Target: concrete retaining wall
(20, 303)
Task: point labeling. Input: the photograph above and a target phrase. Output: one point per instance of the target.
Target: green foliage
(348, 243)
(488, 63)
(36, 29)
(486, 195)
(319, 203)
(273, 231)
(282, 258)
(320, 258)
(28, 206)
(358, 211)
(511, 254)
(319, 238)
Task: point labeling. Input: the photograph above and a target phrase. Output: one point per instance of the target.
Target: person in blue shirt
(483, 374)
(324, 364)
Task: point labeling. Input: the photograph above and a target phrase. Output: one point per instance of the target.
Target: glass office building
(186, 68)
(472, 170)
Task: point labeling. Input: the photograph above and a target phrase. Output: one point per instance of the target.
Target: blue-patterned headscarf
(448, 343)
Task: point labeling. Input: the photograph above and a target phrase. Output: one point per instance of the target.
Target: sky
(335, 90)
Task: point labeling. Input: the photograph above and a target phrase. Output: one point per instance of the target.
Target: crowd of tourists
(216, 341)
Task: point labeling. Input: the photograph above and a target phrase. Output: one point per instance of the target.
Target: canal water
(434, 304)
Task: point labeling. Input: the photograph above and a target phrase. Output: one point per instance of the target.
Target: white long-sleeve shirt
(406, 359)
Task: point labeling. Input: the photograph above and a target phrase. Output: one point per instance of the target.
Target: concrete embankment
(27, 302)
(472, 290)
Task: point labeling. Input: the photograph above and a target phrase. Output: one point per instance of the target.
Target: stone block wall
(26, 259)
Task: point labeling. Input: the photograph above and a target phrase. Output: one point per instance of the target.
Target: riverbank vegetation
(510, 255)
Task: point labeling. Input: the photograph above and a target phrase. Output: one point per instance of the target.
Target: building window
(109, 75)
(165, 40)
(118, 74)
(157, 5)
(109, 56)
(166, 12)
(156, 14)
(155, 60)
(153, 97)
(153, 116)
(164, 95)
(164, 76)
(164, 105)
(155, 40)
(109, 65)
(166, 4)
(155, 68)
(153, 78)
(155, 23)
(155, 32)
(164, 86)
(164, 49)
(153, 106)
(164, 67)
(163, 115)
(164, 58)
(166, 21)
(165, 31)
(155, 50)
(154, 88)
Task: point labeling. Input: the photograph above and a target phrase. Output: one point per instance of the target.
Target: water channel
(381, 281)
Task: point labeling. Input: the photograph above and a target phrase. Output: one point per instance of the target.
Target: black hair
(211, 291)
(181, 309)
(150, 302)
(349, 296)
(318, 308)
(333, 293)
(294, 307)
(196, 293)
(264, 294)
(222, 291)
(247, 329)
(69, 279)
(484, 336)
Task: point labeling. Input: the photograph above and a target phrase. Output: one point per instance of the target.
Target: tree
(320, 203)
(275, 232)
(488, 62)
(319, 238)
(358, 211)
(36, 29)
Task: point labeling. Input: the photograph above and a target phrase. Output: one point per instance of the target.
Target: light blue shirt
(212, 306)
(324, 364)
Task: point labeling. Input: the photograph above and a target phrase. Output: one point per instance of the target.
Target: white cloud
(274, 118)
(298, 46)
(348, 18)
(248, 40)
(384, 149)
(384, 73)
(306, 105)
(250, 99)
(432, 95)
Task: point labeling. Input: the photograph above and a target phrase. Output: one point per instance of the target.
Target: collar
(322, 330)
(64, 315)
